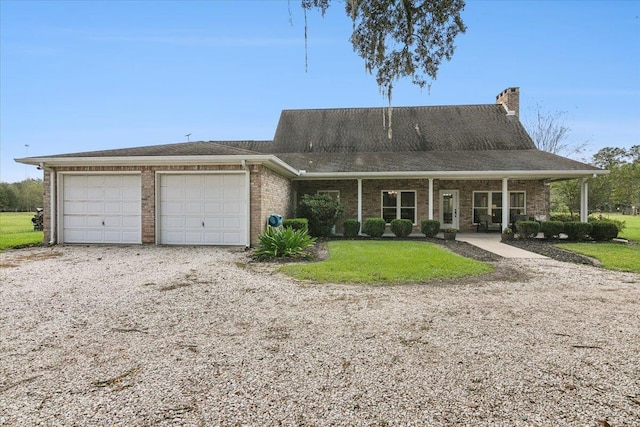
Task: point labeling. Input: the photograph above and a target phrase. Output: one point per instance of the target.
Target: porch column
(584, 200)
(505, 203)
(360, 201)
(430, 198)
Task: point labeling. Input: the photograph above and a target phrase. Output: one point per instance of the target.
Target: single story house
(451, 163)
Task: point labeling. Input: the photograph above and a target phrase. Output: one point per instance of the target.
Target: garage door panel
(213, 208)
(233, 208)
(217, 200)
(172, 208)
(233, 223)
(131, 208)
(213, 193)
(111, 208)
(193, 208)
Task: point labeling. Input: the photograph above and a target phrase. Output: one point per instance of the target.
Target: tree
(397, 39)
(23, 196)
(550, 134)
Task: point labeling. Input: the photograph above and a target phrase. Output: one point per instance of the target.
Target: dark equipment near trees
(38, 220)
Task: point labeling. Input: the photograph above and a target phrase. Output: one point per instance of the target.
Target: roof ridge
(393, 107)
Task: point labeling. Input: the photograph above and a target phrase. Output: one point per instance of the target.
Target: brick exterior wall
(273, 193)
(537, 196)
(270, 194)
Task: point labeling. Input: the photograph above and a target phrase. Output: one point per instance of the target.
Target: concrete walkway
(491, 242)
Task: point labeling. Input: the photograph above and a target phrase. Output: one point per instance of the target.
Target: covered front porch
(457, 201)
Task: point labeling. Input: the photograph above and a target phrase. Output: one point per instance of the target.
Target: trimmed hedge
(552, 229)
(577, 230)
(296, 223)
(603, 230)
(527, 229)
(430, 227)
(401, 227)
(351, 227)
(374, 227)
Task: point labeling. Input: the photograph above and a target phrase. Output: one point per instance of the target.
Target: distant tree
(23, 196)
(610, 157)
(8, 197)
(621, 187)
(397, 39)
(550, 133)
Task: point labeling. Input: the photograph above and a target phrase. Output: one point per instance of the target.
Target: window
(399, 204)
(490, 202)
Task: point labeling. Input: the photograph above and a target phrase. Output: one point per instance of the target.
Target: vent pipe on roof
(510, 99)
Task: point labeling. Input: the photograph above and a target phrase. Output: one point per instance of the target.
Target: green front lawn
(632, 226)
(386, 262)
(613, 256)
(16, 230)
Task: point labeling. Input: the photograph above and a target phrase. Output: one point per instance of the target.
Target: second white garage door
(203, 209)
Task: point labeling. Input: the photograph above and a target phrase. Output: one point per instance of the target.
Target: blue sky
(91, 75)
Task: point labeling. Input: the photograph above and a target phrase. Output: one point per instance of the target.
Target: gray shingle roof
(344, 130)
(196, 148)
(464, 138)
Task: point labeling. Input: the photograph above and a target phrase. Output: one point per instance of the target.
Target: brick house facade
(450, 163)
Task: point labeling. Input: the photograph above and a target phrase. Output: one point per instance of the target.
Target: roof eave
(268, 160)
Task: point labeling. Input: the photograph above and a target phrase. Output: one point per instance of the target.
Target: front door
(449, 209)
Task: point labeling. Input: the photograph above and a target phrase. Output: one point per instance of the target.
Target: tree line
(619, 191)
(23, 196)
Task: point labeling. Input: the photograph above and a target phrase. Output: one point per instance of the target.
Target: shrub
(430, 227)
(322, 212)
(552, 229)
(620, 224)
(401, 227)
(564, 217)
(296, 223)
(577, 230)
(351, 227)
(527, 229)
(283, 242)
(603, 230)
(374, 227)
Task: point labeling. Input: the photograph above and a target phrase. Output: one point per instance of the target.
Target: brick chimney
(510, 98)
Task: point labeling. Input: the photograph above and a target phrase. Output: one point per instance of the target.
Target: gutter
(465, 175)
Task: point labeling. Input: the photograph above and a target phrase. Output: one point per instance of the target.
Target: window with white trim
(490, 203)
(399, 204)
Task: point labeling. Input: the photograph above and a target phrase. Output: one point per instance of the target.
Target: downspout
(360, 204)
(430, 198)
(52, 203)
(247, 184)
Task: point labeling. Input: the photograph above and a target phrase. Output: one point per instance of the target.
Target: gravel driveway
(197, 336)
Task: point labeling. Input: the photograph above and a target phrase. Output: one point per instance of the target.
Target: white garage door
(203, 209)
(101, 209)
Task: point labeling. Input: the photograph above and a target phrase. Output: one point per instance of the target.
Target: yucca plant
(283, 242)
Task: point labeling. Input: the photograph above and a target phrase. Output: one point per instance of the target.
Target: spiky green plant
(284, 242)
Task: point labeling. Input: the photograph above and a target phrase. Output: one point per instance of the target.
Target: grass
(382, 262)
(614, 256)
(16, 230)
(632, 226)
